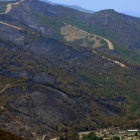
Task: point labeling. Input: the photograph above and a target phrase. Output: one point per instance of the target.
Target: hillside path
(9, 6)
(110, 45)
(117, 62)
(10, 25)
(6, 87)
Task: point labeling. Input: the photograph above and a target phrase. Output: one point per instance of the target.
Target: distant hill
(48, 2)
(79, 8)
(71, 6)
(131, 13)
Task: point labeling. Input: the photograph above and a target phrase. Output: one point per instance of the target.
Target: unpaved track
(10, 25)
(6, 87)
(110, 45)
(117, 62)
(9, 6)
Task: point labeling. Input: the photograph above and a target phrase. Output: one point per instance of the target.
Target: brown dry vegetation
(72, 33)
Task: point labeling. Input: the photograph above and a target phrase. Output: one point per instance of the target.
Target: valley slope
(63, 75)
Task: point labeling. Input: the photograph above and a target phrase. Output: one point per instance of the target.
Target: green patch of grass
(89, 43)
(135, 109)
(54, 24)
(78, 41)
(2, 8)
(103, 42)
(101, 31)
(127, 54)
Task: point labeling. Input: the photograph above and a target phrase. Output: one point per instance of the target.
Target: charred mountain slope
(57, 86)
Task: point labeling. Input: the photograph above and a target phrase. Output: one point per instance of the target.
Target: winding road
(9, 6)
(117, 62)
(110, 45)
(10, 25)
(8, 9)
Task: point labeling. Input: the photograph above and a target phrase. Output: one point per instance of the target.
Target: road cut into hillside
(117, 62)
(110, 45)
(10, 25)
(4, 89)
(9, 6)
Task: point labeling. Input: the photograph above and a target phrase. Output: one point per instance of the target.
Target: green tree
(115, 138)
(91, 136)
(136, 134)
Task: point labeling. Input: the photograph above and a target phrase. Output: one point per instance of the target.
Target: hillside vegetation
(63, 84)
(5, 135)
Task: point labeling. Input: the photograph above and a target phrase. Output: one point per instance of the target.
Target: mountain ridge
(71, 6)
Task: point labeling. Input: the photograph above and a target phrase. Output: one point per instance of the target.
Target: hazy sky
(96, 5)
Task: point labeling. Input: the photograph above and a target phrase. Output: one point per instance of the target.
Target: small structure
(134, 130)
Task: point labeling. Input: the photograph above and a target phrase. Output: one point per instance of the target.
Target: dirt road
(6, 87)
(9, 6)
(110, 45)
(10, 25)
(117, 62)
